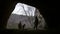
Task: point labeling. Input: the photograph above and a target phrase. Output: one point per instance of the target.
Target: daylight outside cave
(26, 17)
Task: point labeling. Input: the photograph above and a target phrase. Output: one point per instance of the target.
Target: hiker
(20, 25)
(36, 22)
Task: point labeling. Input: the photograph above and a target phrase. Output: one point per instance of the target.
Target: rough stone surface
(25, 15)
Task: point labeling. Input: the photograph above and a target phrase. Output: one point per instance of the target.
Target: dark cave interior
(47, 9)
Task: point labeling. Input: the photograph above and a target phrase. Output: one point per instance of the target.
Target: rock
(23, 17)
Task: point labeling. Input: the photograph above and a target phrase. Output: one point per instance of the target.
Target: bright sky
(23, 9)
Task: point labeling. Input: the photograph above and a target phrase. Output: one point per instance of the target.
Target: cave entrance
(23, 17)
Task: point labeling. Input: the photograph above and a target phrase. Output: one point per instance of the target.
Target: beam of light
(23, 9)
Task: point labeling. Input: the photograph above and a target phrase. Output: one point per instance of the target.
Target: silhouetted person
(36, 22)
(23, 26)
(20, 26)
